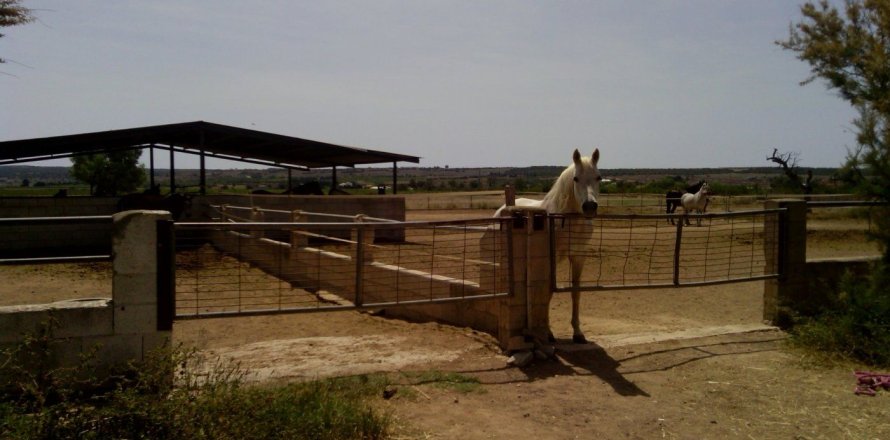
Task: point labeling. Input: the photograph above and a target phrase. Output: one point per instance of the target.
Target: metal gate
(647, 251)
(252, 268)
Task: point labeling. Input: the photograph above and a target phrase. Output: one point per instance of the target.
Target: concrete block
(135, 288)
(116, 349)
(76, 318)
(135, 319)
(155, 341)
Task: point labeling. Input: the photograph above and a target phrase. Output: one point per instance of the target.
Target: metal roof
(214, 140)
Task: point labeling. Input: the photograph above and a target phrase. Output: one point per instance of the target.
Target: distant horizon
(255, 167)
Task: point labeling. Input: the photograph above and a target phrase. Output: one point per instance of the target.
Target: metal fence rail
(285, 267)
(641, 251)
(31, 240)
(48, 259)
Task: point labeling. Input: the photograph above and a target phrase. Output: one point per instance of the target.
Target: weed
(175, 394)
(455, 381)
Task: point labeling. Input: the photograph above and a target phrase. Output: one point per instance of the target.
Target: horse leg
(577, 334)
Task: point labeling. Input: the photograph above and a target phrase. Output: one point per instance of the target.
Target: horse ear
(576, 156)
(596, 155)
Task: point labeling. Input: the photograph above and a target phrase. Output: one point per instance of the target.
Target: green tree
(850, 49)
(110, 174)
(12, 13)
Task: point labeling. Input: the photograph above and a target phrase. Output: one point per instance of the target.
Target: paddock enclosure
(265, 257)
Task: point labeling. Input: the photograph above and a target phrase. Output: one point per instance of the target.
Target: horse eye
(576, 178)
(598, 178)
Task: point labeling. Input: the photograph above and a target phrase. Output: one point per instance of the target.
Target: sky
(652, 84)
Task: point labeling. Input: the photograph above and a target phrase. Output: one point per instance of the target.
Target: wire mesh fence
(634, 251)
(609, 203)
(843, 228)
(272, 267)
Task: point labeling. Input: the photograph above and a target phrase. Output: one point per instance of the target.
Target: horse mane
(561, 197)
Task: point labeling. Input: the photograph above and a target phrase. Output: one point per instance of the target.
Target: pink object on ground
(868, 382)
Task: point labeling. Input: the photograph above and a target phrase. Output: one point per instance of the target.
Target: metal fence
(242, 268)
(48, 259)
(640, 251)
(609, 203)
(842, 228)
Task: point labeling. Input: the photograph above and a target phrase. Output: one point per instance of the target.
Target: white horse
(697, 202)
(575, 191)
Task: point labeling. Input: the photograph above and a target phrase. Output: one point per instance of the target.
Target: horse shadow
(592, 359)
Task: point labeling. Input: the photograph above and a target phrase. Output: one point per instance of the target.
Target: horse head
(586, 182)
(705, 189)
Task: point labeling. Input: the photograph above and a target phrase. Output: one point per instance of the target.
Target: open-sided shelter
(204, 139)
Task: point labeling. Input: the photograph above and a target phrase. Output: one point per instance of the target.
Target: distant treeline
(737, 180)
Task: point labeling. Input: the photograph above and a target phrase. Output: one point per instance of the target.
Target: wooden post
(509, 196)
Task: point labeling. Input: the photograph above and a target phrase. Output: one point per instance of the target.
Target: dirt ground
(690, 363)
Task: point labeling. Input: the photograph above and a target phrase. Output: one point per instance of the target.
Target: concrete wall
(119, 329)
(515, 321)
(381, 206)
(38, 240)
(805, 287)
(42, 240)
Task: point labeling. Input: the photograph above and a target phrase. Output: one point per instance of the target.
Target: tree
(12, 13)
(788, 162)
(850, 49)
(110, 174)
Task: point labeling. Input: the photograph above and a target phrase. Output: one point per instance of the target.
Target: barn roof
(213, 140)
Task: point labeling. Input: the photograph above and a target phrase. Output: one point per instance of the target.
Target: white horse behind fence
(697, 202)
(575, 191)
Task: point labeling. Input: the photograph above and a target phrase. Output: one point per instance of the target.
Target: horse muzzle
(589, 208)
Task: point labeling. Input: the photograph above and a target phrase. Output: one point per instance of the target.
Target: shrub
(176, 394)
(858, 326)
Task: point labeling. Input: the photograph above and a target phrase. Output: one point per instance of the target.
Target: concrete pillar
(790, 253)
(135, 287)
(537, 282)
(522, 316)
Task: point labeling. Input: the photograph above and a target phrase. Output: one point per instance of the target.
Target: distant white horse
(697, 202)
(575, 191)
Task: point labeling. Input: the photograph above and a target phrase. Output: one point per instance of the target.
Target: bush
(201, 400)
(858, 326)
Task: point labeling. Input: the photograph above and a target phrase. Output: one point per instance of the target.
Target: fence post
(135, 288)
(677, 244)
(363, 239)
(256, 216)
(537, 278)
(509, 195)
(789, 254)
(166, 275)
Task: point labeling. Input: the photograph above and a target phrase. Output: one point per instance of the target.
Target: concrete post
(134, 287)
(523, 316)
(537, 281)
(790, 253)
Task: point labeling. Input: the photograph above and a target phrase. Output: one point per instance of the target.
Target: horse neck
(700, 195)
(561, 197)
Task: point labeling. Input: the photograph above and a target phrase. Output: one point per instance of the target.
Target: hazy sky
(653, 84)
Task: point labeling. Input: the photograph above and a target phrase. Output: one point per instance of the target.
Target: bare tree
(788, 162)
